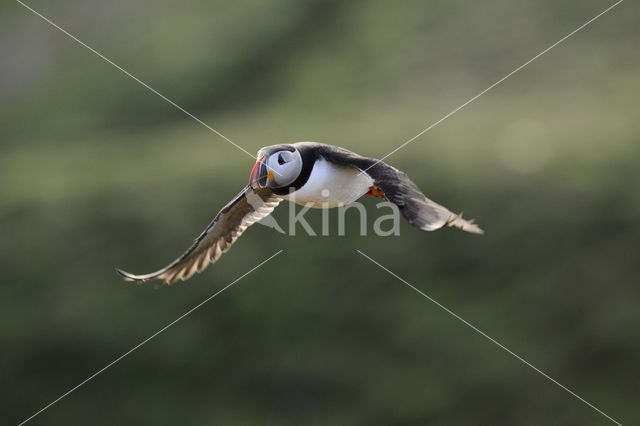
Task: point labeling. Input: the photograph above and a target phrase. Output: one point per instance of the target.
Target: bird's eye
(281, 159)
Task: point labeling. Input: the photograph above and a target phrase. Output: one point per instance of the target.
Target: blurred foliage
(97, 172)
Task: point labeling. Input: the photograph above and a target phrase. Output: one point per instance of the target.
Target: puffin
(311, 174)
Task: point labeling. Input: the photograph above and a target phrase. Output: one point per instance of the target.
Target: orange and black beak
(259, 174)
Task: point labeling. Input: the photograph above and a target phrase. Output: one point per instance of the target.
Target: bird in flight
(312, 174)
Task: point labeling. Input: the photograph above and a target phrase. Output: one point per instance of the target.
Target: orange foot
(375, 192)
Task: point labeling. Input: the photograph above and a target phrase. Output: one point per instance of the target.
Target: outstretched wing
(400, 190)
(247, 208)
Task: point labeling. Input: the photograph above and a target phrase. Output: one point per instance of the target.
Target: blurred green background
(98, 172)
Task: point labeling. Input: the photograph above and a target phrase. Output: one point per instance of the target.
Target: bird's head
(277, 167)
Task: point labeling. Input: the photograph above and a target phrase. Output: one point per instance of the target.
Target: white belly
(331, 185)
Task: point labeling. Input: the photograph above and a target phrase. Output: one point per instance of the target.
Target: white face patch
(286, 167)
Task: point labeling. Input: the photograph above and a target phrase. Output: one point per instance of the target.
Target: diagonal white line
(431, 126)
(136, 79)
(147, 339)
(492, 340)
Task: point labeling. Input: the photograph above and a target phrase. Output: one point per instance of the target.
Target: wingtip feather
(465, 225)
(126, 275)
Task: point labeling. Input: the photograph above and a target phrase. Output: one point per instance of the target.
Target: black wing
(247, 208)
(400, 190)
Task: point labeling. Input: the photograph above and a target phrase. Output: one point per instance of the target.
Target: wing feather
(244, 210)
(419, 210)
